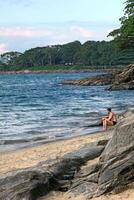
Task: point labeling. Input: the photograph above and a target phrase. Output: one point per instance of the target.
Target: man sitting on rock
(110, 120)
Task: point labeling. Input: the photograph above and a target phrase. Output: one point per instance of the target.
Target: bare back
(112, 117)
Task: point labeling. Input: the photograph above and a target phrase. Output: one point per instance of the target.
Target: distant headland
(70, 56)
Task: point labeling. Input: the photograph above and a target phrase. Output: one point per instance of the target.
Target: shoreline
(30, 156)
(43, 142)
(59, 71)
(86, 155)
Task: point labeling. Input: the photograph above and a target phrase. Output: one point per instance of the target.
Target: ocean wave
(36, 108)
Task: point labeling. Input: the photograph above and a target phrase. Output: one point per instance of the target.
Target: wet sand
(28, 157)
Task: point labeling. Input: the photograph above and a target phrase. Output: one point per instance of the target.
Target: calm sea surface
(36, 108)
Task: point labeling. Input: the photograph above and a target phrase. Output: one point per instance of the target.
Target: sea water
(37, 108)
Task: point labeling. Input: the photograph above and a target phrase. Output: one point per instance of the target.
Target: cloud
(81, 31)
(31, 32)
(23, 32)
(28, 37)
(66, 34)
(21, 38)
(3, 47)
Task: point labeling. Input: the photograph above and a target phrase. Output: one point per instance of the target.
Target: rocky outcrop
(86, 181)
(113, 168)
(98, 80)
(123, 80)
(31, 183)
(118, 157)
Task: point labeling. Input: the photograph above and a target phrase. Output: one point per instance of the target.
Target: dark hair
(109, 109)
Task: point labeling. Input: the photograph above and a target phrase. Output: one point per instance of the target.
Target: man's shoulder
(112, 113)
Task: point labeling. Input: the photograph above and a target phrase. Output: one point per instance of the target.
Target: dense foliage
(124, 36)
(91, 53)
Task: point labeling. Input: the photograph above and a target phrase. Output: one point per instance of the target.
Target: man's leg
(108, 123)
(104, 124)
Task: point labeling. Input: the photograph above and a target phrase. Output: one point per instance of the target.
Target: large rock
(31, 183)
(118, 157)
(24, 185)
(124, 80)
(85, 181)
(116, 165)
(85, 153)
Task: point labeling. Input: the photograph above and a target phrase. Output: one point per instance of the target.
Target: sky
(26, 24)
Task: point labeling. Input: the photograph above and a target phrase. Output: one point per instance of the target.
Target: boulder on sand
(118, 157)
(36, 181)
(115, 167)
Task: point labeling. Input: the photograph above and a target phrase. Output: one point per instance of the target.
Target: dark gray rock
(86, 181)
(25, 184)
(85, 172)
(88, 152)
(93, 178)
(102, 142)
(116, 165)
(118, 157)
(31, 183)
(86, 188)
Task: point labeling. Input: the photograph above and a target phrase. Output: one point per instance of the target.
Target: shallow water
(36, 108)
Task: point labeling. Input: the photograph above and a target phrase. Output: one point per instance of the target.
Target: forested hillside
(91, 53)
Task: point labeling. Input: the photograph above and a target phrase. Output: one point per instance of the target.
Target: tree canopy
(91, 53)
(124, 36)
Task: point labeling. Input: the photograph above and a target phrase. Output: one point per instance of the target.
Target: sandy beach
(31, 156)
(24, 158)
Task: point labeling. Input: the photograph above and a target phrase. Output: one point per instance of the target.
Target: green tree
(124, 36)
(70, 52)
